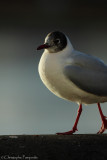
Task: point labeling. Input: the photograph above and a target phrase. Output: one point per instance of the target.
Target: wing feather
(92, 81)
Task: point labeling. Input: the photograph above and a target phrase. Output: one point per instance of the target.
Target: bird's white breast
(50, 70)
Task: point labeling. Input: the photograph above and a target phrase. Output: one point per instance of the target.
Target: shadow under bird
(73, 75)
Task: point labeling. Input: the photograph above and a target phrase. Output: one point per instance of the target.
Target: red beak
(43, 46)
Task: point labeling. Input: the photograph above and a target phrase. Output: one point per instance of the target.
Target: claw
(69, 132)
(103, 127)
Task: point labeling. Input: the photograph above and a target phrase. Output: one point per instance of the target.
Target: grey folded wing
(92, 81)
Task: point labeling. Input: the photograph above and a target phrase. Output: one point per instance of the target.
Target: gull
(73, 75)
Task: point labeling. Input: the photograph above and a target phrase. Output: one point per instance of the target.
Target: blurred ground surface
(54, 147)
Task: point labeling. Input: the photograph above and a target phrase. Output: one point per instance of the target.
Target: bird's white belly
(51, 73)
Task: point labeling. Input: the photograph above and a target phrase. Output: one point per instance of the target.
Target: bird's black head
(54, 42)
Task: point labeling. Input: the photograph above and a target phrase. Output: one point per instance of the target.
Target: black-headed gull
(73, 75)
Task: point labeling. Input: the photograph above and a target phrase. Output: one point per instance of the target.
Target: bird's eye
(57, 41)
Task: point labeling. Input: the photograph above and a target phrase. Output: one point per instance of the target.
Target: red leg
(104, 121)
(74, 129)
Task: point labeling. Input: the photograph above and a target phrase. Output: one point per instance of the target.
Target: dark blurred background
(26, 106)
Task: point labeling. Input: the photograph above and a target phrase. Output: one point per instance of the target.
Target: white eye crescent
(57, 41)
